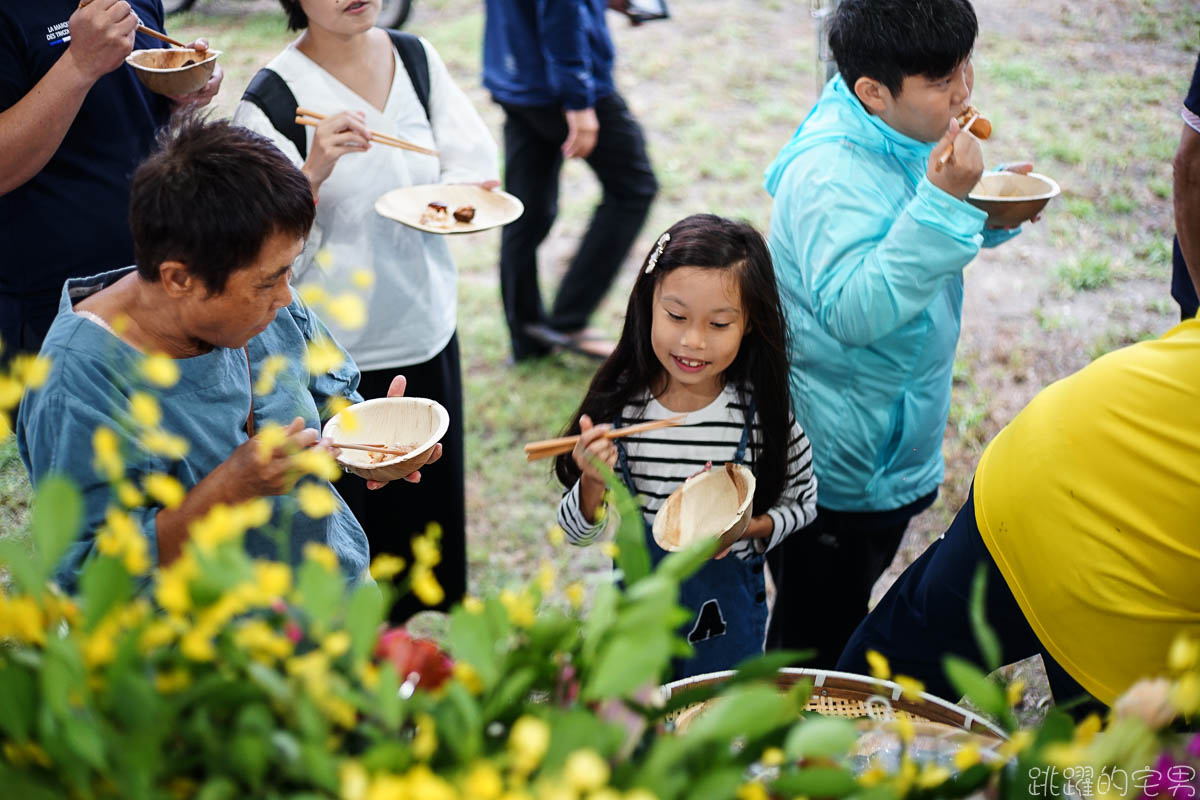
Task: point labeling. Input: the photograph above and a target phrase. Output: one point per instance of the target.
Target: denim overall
(727, 598)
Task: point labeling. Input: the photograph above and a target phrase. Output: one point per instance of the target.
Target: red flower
(420, 656)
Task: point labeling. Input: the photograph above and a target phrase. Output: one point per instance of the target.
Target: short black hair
(888, 40)
(297, 19)
(210, 196)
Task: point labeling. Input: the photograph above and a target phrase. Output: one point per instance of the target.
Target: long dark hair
(759, 369)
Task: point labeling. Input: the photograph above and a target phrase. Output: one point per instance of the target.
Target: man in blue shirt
(548, 63)
(74, 123)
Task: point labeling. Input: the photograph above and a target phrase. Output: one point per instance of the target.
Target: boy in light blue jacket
(870, 237)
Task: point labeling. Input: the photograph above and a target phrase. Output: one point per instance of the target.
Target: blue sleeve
(869, 276)
(342, 381)
(998, 236)
(55, 437)
(563, 35)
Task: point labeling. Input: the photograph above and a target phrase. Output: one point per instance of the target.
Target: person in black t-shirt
(74, 123)
(1187, 204)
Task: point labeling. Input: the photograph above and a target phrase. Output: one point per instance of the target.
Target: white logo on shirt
(58, 34)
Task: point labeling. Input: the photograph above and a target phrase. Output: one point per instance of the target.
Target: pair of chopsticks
(370, 448)
(941, 162)
(162, 37)
(553, 447)
(311, 118)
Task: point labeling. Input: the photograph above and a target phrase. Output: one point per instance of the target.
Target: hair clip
(658, 251)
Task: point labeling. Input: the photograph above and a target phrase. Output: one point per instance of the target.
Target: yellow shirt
(1089, 502)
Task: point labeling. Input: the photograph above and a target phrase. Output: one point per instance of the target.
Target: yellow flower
(574, 593)
(144, 409)
(545, 577)
(271, 366)
(165, 444)
(99, 648)
(424, 742)
(932, 776)
(129, 495)
(323, 356)
(312, 294)
(336, 644)
(173, 588)
(872, 777)
(465, 674)
(353, 780)
(520, 607)
(197, 645)
(164, 489)
(262, 641)
(316, 501)
(772, 757)
(1184, 653)
(348, 419)
(1186, 694)
(585, 770)
(318, 463)
(21, 619)
(483, 782)
(905, 728)
(1015, 691)
(425, 586)
(362, 278)
(1087, 730)
(386, 566)
(270, 437)
(910, 688)
(107, 461)
(321, 554)
(752, 791)
(160, 370)
(120, 537)
(5, 425)
(556, 535)
(253, 513)
(388, 787)
(966, 757)
(640, 794)
(324, 259)
(1016, 744)
(155, 635)
(28, 753)
(348, 310)
(472, 604)
(340, 711)
(272, 579)
(879, 665)
(216, 527)
(425, 548)
(10, 391)
(173, 681)
(31, 370)
(527, 742)
(424, 785)
(610, 549)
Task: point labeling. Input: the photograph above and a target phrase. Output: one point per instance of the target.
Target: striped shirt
(661, 460)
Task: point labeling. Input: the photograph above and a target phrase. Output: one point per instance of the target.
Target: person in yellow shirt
(1084, 514)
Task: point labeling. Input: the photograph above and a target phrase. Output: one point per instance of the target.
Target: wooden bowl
(166, 71)
(1010, 198)
(713, 504)
(405, 421)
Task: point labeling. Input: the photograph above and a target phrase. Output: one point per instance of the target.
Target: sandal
(587, 342)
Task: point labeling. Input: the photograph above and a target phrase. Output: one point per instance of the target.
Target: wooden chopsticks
(553, 447)
(941, 162)
(306, 117)
(162, 37)
(370, 448)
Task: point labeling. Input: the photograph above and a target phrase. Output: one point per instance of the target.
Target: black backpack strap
(412, 55)
(270, 93)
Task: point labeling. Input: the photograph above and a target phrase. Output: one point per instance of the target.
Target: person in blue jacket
(549, 65)
(870, 237)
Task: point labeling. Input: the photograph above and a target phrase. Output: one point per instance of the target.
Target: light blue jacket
(869, 255)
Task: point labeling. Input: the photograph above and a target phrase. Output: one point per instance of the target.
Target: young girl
(704, 334)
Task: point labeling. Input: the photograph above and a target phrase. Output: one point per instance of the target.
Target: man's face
(925, 105)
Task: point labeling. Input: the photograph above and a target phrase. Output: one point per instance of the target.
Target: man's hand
(336, 135)
(396, 389)
(583, 128)
(204, 95)
(258, 469)
(959, 175)
(102, 34)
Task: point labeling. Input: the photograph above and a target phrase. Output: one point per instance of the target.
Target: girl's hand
(760, 527)
(593, 445)
(336, 135)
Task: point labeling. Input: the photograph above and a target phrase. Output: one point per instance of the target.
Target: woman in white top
(349, 70)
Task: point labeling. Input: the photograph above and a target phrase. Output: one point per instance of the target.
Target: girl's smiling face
(696, 332)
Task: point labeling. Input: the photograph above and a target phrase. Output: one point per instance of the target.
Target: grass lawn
(1088, 90)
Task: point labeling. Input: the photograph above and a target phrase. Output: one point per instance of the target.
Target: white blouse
(412, 303)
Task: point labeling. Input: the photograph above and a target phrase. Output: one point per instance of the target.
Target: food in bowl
(173, 70)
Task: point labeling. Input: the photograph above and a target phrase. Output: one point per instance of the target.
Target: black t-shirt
(72, 218)
(1181, 282)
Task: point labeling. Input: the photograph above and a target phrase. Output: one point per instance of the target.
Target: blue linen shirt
(92, 376)
(548, 52)
(869, 257)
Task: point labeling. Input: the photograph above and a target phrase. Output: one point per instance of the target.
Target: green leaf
(512, 689)
(460, 723)
(815, 782)
(19, 562)
(83, 737)
(575, 730)
(270, 681)
(975, 685)
(682, 564)
(471, 640)
(749, 711)
(18, 701)
(220, 788)
(320, 592)
(719, 783)
(57, 520)
(603, 615)
(363, 618)
(104, 584)
(626, 663)
(985, 637)
(249, 754)
(633, 559)
(767, 666)
(821, 737)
